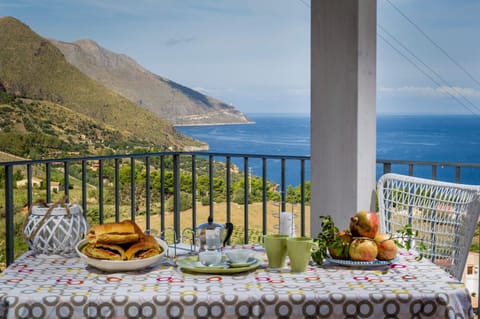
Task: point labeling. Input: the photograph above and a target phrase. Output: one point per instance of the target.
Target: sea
(432, 138)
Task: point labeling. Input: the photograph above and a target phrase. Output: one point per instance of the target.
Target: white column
(343, 109)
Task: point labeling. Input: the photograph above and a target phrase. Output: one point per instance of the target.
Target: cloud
(210, 91)
(177, 41)
(201, 90)
(440, 91)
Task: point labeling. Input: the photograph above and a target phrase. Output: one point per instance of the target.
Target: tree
(17, 176)
(238, 197)
(218, 189)
(185, 202)
(186, 182)
(203, 185)
(293, 195)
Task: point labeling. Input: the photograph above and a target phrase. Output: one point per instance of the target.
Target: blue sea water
(436, 138)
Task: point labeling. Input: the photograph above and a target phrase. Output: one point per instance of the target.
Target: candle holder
(55, 228)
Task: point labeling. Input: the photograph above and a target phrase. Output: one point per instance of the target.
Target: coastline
(213, 124)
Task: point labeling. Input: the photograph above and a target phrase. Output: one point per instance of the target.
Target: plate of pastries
(120, 246)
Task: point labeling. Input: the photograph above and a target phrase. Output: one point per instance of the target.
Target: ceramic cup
(210, 257)
(276, 248)
(238, 255)
(299, 250)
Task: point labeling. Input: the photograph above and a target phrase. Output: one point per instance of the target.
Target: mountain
(32, 67)
(172, 101)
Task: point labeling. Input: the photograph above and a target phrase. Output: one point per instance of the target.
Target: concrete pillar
(343, 109)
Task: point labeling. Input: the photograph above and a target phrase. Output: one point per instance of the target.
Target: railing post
(283, 194)
(229, 188)
(47, 184)
(147, 193)
(84, 188)
(66, 179)
(176, 198)
(194, 192)
(132, 189)
(9, 213)
(457, 175)
(210, 184)
(264, 195)
(117, 190)
(29, 186)
(101, 210)
(387, 168)
(246, 189)
(162, 195)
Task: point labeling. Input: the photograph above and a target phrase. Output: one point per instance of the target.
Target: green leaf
(324, 238)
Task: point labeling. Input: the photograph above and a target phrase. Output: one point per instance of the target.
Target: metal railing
(449, 171)
(133, 180)
(162, 177)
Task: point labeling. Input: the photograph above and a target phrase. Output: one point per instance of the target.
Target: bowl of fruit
(361, 244)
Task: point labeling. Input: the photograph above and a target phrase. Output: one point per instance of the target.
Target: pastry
(105, 251)
(114, 233)
(146, 247)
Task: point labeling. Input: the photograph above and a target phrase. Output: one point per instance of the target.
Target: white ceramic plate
(120, 265)
(346, 262)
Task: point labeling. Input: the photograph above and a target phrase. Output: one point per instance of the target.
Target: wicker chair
(444, 214)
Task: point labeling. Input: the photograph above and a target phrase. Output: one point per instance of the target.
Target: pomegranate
(339, 247)
(363, 249)
(364, 224)
(387, 249)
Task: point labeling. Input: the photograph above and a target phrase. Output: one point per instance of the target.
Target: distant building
(95, 165)
(471, 276)
(35, 182)
(55, 187)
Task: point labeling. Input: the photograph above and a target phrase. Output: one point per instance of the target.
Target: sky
(255, 54)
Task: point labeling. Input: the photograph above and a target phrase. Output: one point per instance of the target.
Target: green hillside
(42, 129)
(31, 67)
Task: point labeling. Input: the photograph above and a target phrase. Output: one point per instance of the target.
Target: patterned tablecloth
(57, 287)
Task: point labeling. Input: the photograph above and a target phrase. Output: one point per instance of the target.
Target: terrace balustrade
(169, 167)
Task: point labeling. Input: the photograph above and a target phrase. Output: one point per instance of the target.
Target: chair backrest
(444, 214)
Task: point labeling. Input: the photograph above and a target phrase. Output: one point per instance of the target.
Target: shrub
(205, 200)
(185, 202)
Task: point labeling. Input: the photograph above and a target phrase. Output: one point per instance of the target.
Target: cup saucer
(250, 261)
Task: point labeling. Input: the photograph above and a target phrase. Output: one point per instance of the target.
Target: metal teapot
(209, 235)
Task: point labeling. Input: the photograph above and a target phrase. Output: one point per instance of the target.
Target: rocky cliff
(172, 101)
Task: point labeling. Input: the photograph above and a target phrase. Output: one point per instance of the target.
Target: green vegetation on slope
(40, 129)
